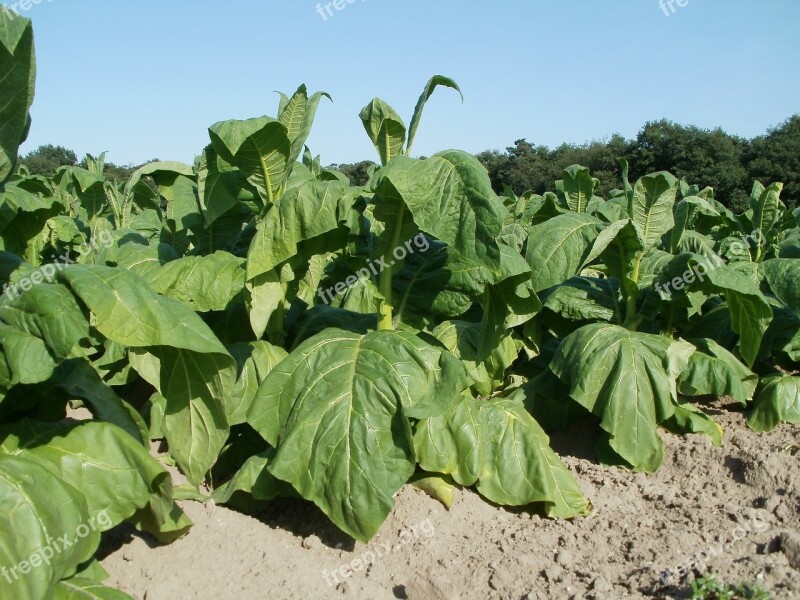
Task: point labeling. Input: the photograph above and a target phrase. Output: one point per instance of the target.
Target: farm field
(249, 376)
(642, 527)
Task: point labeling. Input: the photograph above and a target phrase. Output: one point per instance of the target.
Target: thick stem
(385, 316)
(632, 293)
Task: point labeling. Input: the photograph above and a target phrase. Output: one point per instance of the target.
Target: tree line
(728, 163)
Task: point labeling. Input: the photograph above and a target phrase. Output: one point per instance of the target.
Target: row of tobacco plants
(289, 335)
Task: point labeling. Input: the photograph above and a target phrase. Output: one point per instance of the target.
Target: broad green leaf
(783, 276)
(36, 510)
(714, 371)
(385, 129)
(23, 358)
(116, 475)
(433, 83)
(298, 116)
(498, 447)
(50, 313)
(128, 312)
(259, 148)
(777, 401)
(628, 380)
(464, 341)
(337, 412)
(585, 299)
(18, 66)
(577, 188)
(449, 197)
(311, 210)
(558, 248)
(196, 387)
(767, 211)
(79, 588)
(219, 185)
(690, 419)
(267, 294)
(253, 481)
(204, 283)
(254, 361)
(750, 313)
(651, 206)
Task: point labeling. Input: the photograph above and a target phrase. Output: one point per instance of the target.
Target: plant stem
(632, 293)
(385, 316)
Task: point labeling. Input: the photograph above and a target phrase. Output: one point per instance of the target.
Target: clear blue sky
(144, 79)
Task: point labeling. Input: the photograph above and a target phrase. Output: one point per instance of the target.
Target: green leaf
(337, 412)
(50, 313)
(18, 66)
(464, 340)
(767, 210)
(196, 387)
(116, 475)
(750, 313)
(298, 116)
(577, 188)
(204, 283)
(252, 485)
(498, 447)
(449, 197)
(79, 588)
(558, 248)
(585, 299)
(783, 276)
(311, 210)
(255, 360)
(23, 358)
(259, 148)
(777, 401)
(385, 129)
(79, 379)
(716, 372)
(651, 206)
(35, 508)
(433, 83)
(690, 419)
(628, 380)
(128, 312)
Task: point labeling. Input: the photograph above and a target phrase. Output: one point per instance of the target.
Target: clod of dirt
(790, 544)
(427, 585)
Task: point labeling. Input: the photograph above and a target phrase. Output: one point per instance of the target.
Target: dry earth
(735, 507)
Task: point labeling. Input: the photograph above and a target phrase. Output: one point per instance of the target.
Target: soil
(732, 511)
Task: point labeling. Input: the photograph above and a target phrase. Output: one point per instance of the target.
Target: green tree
(358, 173)
(776, 157)
(704, 157)
(46, 159)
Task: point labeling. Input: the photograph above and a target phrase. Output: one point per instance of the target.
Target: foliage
(714, 158)
(706, 587)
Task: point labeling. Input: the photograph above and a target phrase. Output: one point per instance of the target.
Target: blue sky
(144, 79)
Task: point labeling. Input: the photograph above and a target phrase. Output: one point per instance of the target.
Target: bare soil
(732, 511)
